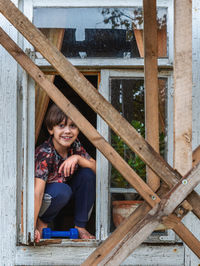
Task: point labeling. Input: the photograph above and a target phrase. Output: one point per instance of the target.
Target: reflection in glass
(127, 96)
(101, 32)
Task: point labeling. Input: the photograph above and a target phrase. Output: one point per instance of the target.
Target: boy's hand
(69, 165)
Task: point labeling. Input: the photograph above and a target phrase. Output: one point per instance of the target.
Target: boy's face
(64, 134)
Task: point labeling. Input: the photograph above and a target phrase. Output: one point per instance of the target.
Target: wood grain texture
(183, 86)
(151, 83)
(183, 89)
(8, 146)
(41, 97)
(146, 255)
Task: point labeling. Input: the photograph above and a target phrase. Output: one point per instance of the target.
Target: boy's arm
(69, 165)
(38, 195)
(87, 163)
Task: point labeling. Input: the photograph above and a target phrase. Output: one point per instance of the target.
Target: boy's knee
(64, 194)
(59, 192)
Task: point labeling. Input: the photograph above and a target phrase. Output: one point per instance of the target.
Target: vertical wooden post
(183, 86)
(151, 83)
(183, 92)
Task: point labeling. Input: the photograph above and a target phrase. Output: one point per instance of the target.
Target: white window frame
(102, 203)
(26, 168)
(102, 127)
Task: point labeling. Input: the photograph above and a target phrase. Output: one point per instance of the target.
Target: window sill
(68, 242)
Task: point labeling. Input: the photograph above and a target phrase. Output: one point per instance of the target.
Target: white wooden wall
(8, 154)
(191, 221)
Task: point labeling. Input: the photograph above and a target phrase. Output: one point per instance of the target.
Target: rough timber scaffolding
(165, 204)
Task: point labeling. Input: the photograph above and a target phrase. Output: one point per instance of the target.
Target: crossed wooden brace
(144, 220)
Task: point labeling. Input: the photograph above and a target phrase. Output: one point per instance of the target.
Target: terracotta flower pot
(122, 209)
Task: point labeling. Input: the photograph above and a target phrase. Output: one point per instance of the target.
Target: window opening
(65, 219)
(102, 32)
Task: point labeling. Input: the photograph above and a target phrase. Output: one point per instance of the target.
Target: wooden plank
(42, 99)
(182, 231)
(91, 96)
(65, 255)
(162, 41)
(139, 41)
(119, 245)
(183, 86)
(88, 130)
(151, 83)
(183, 90)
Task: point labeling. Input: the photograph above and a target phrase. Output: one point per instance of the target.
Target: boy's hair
(54, 117)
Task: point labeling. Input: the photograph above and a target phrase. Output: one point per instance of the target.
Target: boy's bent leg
(83, 185)
(56, 196)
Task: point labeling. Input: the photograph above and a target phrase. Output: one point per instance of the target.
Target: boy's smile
(64, 134)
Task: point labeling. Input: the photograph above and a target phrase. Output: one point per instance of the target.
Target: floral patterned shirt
(48, 161)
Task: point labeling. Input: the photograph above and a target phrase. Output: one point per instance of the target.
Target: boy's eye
(73, 126)
(61, 126)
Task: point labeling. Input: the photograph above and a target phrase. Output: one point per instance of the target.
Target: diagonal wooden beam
(110, 253)
(88, 130)
(85, 89)
(42, 99)
(183, 232)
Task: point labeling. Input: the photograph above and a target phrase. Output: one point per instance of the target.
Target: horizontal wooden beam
(145, 222)
(88, 130)
(97, 102)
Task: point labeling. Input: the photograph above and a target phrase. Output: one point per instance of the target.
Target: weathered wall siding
(192, 222)
(8, 125)
(196, 76)
(144, 255)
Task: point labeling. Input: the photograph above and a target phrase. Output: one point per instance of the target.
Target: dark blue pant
(81, 187)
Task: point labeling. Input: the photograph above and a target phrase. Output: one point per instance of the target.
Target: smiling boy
(63, 169)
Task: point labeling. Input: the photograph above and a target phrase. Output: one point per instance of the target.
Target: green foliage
(131, 158)
(117, 180)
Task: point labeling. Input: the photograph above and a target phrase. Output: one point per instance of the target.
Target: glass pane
(127, 96)
(101, 32)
